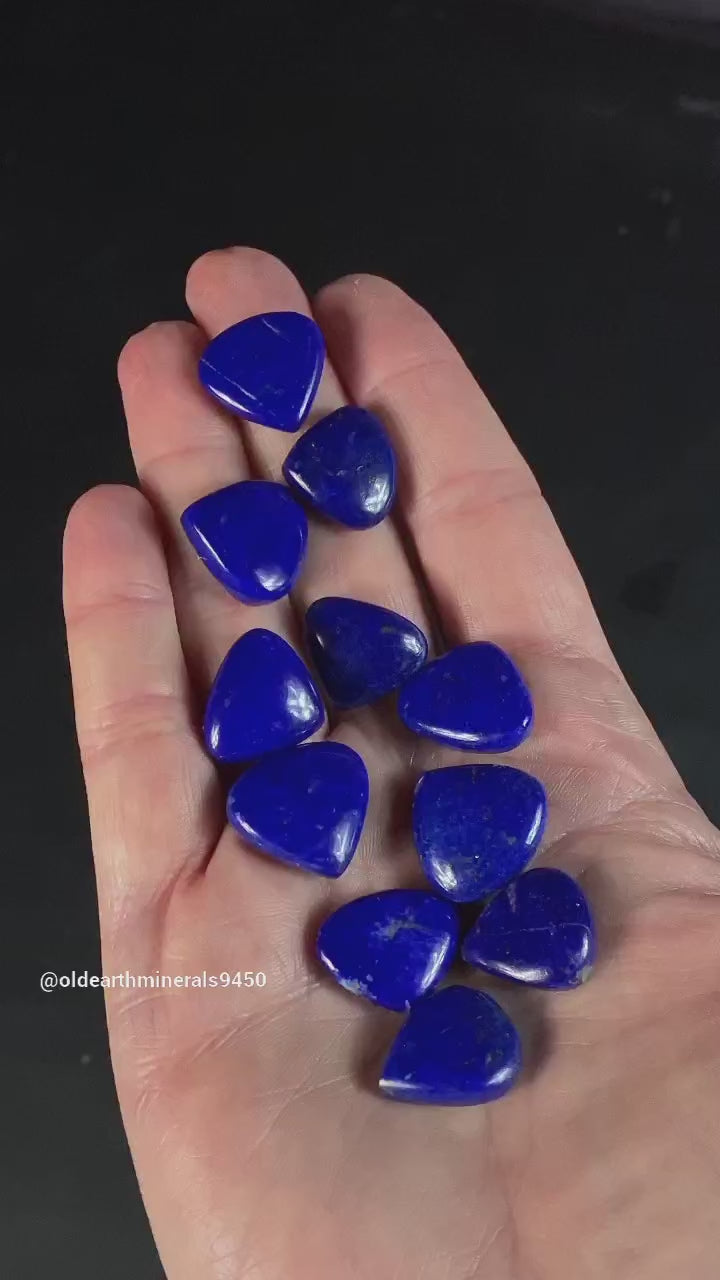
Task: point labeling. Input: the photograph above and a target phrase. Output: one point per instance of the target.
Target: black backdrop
(551, 191)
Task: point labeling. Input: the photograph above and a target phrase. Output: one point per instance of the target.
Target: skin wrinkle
(468, 495)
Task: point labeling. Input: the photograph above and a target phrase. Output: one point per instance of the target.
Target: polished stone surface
(476, 826)
(361, 650)
(263, 699)
(472, 698)
(456, 1048)
(266, 368)
(390, 947)
(305, 806)
(345, 466)
(538, 930)
(252, 537)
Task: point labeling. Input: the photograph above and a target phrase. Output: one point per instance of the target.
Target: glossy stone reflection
(252, 537)
(345, 466)
(538, 930)
(266, 368)
(390, 947)
(476, 826)
(263, 699)
(361, 650)
(457, 1048)
(472, 698)
(305, 806)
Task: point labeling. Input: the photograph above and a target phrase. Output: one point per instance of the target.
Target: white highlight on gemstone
(271, 578)
(532, 833)
(299, 701)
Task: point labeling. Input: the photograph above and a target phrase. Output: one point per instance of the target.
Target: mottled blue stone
(476, 826)
(305, 806)
(345, 466)
(472, 698)
(252, 537)
(538, 929)
(263, 699)
(266, 368)
(390, 947)
(456, 1048)
(361, 650)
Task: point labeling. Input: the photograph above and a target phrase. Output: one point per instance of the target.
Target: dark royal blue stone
(538, 929)
(476, 826)
(263, 699)
(266, 368)
(361, 650)
(456, 1048)
(252, 537)
(473, 698)
(391, 947)
(305, 806)
(345, 466)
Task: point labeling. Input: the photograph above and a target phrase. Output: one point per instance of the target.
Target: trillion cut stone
(361, 650)
(344, 465)
(266, 368)
(263, 699)
(305, 806)
(252, 537)
(456, 1048)
(476, 826)
(473, 698)
(391, 947)
(538, 930)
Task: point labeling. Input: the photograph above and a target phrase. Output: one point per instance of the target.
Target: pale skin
(262, 1148)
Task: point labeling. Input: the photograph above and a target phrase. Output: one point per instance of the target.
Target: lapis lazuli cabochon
(472, 698)
(263, 699)
(537, 930)
(345, 466)
(476, 826)
(266, 368)
(252, 537)
(305, 806)
(457, 1048)
(361, 650)
(390, 947)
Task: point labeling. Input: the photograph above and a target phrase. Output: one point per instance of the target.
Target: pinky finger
(152, 793)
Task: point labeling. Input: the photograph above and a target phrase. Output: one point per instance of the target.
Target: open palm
(262, 1150)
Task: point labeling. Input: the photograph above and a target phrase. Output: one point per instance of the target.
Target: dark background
(549, 190)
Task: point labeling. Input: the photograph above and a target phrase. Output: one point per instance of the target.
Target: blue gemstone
(391, 947)
(476, 826)
(345, 466)
(305, 806)
(252, 537)
(361, 650)
(538, 930)
(263, 699)
(456, 1048)
(266, 368)
(473, 698)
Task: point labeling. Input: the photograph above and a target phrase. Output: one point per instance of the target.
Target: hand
(261, 1149)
